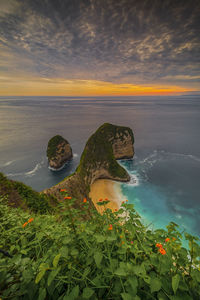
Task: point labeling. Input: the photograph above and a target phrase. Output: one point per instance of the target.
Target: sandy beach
(104, 188)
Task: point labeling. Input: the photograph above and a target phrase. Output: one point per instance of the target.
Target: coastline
(105, 188)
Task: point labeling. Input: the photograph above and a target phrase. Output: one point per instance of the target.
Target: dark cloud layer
(132, 41)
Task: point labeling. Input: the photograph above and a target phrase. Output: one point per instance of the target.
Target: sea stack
(59, 152)
(99, 161)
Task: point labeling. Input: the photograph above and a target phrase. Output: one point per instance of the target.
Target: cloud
(129, 41)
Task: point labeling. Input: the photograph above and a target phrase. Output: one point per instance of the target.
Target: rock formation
(58, 152)
(98, 160)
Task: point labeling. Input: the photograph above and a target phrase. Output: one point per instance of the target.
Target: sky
(99, 47)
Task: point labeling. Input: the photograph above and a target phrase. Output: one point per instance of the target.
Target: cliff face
(58, 152)
(122, 145)
(98, 160)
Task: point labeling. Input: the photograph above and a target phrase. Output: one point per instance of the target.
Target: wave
(8, 163)
(134, 180)
(28, 173)
(35, 169)
(158, 155)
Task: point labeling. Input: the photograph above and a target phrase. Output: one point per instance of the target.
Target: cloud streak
(126, 41)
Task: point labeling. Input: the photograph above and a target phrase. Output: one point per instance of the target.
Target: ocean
(165, 171)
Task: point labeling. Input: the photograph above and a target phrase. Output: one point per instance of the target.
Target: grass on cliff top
(52, 145)
(20, 195)
(109, 256)
(98, 151)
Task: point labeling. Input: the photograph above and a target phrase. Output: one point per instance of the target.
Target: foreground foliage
(19, 194)
(111, 256)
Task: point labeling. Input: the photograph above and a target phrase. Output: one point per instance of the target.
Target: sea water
(165, 171)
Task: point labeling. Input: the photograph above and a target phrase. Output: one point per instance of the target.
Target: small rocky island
(99, 161)
(59, 152)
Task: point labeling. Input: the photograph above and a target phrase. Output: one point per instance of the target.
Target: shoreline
(105, 188)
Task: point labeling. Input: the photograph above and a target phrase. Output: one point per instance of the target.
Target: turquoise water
(165, 170)
(160, 190)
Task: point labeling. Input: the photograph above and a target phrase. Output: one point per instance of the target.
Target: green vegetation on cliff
(52, 145)
(20, 195)
(109, 256)
(98, 151)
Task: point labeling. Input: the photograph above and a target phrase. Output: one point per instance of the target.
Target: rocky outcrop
(99, 160)
(58, 152)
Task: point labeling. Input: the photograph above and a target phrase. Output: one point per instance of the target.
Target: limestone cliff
(58, 152)
(98, 160)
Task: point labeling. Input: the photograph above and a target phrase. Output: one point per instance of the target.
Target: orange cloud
(63, 87)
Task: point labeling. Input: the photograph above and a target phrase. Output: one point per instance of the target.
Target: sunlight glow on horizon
(75, 87)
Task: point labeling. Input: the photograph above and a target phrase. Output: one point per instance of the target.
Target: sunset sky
(99, 47)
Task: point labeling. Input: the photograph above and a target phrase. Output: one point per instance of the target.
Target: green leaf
(155, 285)
(40, 275)
(42, 294)
(74, 293)
(74, 252)
(126, 296)
(100, 238)
(86, 272)
(120, 272)
(64, 251)
(56, 260)
(175, 282)
(111, 238)
(98, 258)
(134, 284)
(87, 293)
(52, 275)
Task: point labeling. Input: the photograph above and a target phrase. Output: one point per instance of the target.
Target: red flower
(84, 200)
(68, 197)
(63, 190)
(162, 251)
(167, 239)
(110, 227)
(30, 220)
(158, 245)
(131, 242)
(24, 225)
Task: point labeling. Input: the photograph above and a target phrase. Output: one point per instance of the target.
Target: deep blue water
(165, 171)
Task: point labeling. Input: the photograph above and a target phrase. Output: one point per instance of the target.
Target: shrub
(108, 256)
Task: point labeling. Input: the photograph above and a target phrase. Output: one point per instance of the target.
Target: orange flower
(158, 245)
(126, 200)
(173, 238)
(121, 236)
(24, 225)
(68, 197)
(110, 227)
(30, 220)
(115, 209)
(167, 239)
(100, 200)
(122, 202)
(84, 200)
(63, 190)
(162, 251)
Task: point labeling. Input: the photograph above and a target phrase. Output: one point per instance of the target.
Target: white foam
(32, 172)
(8, 163)
(179, 216)
(59, 169)
(28, 173)
(134, 180)
(75, 155)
